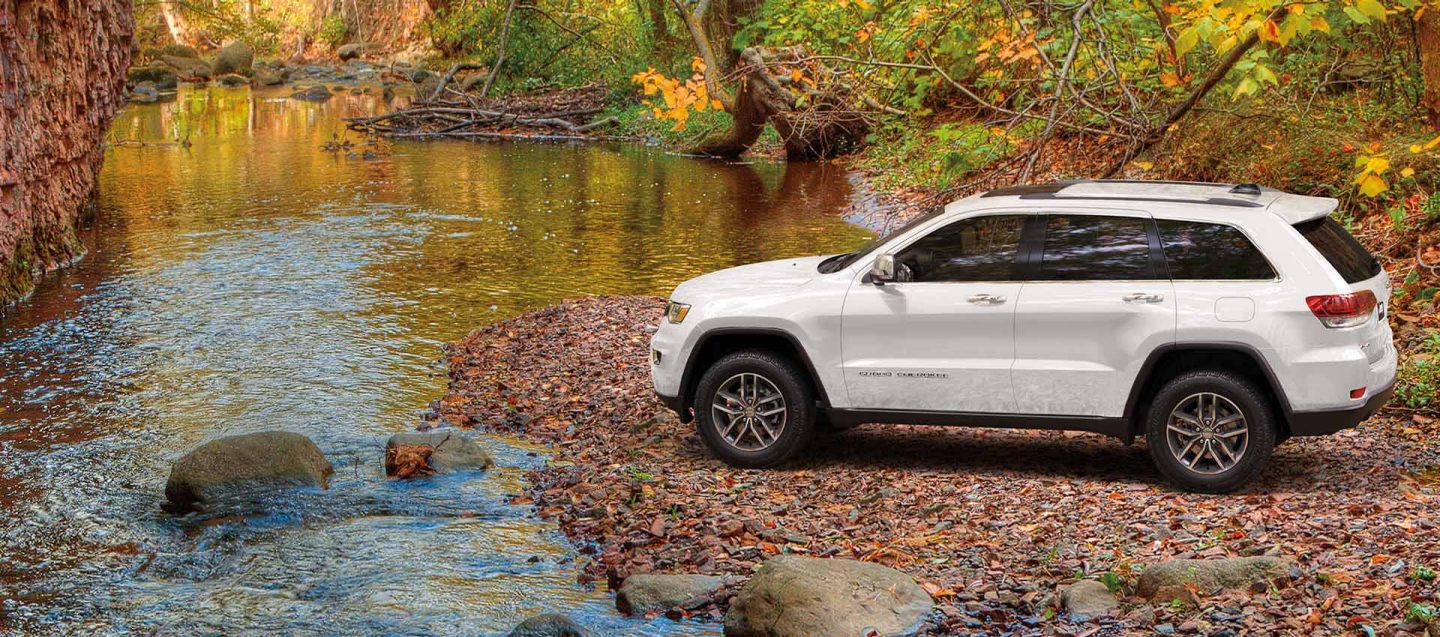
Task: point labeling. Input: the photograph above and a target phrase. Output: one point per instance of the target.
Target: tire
(745, 439)
(1189, 397)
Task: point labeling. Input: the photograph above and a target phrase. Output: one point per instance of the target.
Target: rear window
(1344, 253)
(1210, 251)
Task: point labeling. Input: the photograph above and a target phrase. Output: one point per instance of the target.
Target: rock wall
(62, 75)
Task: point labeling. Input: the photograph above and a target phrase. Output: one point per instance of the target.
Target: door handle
(987, 299)
(1144, 297)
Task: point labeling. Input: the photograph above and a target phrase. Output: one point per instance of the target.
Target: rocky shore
(1009, 532)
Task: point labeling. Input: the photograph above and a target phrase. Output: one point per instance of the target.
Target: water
(253, 280)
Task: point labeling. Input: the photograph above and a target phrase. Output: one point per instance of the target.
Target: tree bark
(499, 55)
(1428, 34)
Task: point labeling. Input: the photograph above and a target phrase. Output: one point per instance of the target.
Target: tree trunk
(659, 31)
(1428, 34)
(177, 24)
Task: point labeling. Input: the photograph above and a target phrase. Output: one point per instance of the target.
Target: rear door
(1361, 271)
(1097, 302)
(942, 337)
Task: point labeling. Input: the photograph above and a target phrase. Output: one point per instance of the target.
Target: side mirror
(882, 271)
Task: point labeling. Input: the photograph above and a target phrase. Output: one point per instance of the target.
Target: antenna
(1245, 189)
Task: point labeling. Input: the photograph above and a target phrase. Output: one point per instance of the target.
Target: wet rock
(189, 69)
(235, 57)
(653, 593)
(317, 93)
(550, 625)
(232, 80)
(1171, 579)
(451, 451)
(237, 465)
(353, 51)
(1088, 598)
(144, 92)
(268, 77)
(158, 73)
(792, 596)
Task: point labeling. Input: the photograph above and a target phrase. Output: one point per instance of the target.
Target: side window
(977, 249)
(1197, 250)
(1095, 248)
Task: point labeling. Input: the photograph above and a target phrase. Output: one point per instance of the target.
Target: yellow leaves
(1318, 23)
(1417, 148)
(677, 99)
(1186, 41)
(1170, 79)
(1407, 172)
(1269, 32)
(1369, 181)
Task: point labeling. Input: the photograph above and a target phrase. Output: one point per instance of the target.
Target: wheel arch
(716, 343)
(1169, 361)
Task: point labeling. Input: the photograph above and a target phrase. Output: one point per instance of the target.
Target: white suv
(1215, 320)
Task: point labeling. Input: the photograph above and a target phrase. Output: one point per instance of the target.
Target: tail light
(1342, 310)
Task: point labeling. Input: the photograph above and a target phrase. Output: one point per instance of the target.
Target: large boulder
(446, 451)
(359, 49)
(224, 468)
(180, 50)
(654, 593)
(235, 57)
(1088, 598)
(268, 77)
(550, 625)
(792, 596)
(157, 72)
(1171, 579)
(189, 69)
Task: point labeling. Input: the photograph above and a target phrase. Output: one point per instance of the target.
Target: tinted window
(979, 249)
(1094, 248)
(1344, 253)
(1210, 251)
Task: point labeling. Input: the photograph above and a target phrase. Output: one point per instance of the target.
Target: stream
(243, 277)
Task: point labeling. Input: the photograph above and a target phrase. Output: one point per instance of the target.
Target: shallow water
(252, 280)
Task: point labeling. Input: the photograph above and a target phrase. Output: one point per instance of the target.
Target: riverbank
(991, 522)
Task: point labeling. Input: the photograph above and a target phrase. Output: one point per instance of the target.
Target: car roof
(1224, 200)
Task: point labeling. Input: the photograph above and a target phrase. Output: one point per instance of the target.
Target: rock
(144, 92)
(352, 51)
(180, 50)
(653, 593)
(232, 79)
(158, 73)
(268, 77)
(317, 93)
(792, 596)
(1088, 598)
(1171, 578)
(550, 625)
(188, 68)
(235, 57)
(239, 464)
(452, 451)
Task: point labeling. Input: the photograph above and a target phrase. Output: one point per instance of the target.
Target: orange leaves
(676, 99)
(1006, 48)
(409, 461)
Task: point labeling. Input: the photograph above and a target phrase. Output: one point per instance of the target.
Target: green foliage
(1423, 574)
(332, 30)
(551, 43)
(1419, 376)
(1112, 582)
(1425, 614)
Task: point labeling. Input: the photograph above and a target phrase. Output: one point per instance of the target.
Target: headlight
(675, 312)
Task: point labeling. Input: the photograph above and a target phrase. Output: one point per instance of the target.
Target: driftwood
(819, 115)
(570, 112)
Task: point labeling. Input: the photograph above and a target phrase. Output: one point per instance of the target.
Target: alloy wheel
(749, 412)
(1207, 433)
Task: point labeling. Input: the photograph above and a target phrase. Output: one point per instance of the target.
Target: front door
(1099, 301)
(941, 337)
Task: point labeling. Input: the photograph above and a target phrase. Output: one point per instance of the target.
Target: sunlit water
(252, 280)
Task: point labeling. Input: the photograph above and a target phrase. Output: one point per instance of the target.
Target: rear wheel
(1210, 431)
(755, 409)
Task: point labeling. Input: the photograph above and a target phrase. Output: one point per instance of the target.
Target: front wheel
(1210, 431)
(755, 409)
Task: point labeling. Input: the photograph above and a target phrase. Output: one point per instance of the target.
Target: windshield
(842, 261)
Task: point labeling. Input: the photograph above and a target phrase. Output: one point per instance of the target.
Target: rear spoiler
(1300, 208)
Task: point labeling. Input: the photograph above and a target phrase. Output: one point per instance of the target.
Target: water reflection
(242, 278)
